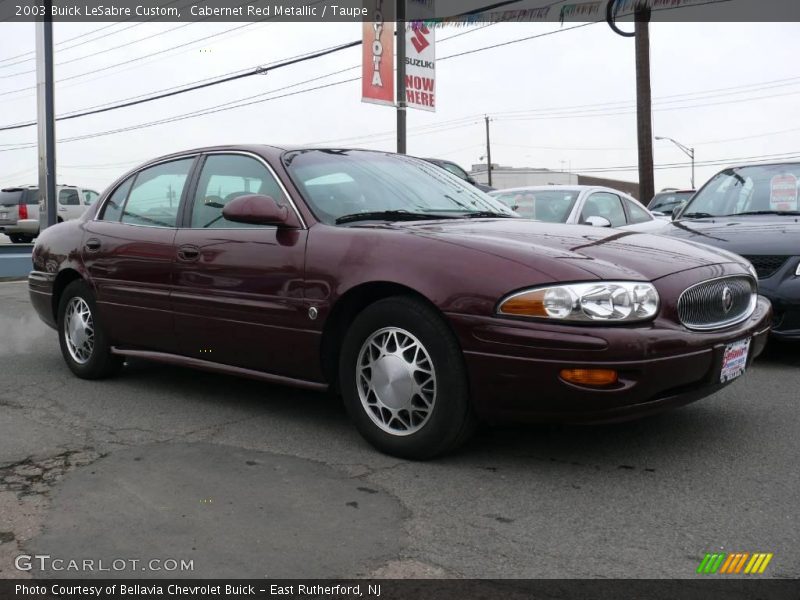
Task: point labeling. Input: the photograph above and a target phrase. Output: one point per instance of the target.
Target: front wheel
(84, 344)
(404, 382)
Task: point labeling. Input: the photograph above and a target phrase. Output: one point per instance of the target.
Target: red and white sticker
(783, 192)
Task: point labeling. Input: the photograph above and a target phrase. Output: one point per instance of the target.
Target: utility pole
(45, 105)
(488, 153)
(644, 105)
(401, 76)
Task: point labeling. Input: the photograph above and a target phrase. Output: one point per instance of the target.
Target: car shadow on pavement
(634, 445)
(781, 353)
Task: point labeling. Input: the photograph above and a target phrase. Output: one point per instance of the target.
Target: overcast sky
(560, 101)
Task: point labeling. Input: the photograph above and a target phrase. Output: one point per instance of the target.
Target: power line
(138, 58)
(212, 82)
(86, 41)
(256, 71)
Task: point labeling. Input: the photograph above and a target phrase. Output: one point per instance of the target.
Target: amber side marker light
(593, 377)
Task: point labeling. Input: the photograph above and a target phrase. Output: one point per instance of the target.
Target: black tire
(451, 420)
(16, 238)
(100, 362)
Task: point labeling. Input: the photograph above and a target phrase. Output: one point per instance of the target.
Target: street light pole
(685, 149)
(488, 153)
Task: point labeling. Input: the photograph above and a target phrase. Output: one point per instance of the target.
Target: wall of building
(507, 177)
(628, 187)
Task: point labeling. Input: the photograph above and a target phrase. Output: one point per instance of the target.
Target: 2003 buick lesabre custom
(423, 301)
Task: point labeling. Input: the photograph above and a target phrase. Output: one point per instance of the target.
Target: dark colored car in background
(666, 202)
(459, 172)
(380, 276)
(753, 211)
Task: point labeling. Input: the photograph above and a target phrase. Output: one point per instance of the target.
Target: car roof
(544, 188)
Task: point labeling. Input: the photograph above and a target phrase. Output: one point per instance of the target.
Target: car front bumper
(514, 366)
(783, 290)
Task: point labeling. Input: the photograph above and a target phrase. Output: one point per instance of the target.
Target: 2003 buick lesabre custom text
(424, 302)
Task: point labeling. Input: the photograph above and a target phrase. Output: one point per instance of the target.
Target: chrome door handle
(188, 253)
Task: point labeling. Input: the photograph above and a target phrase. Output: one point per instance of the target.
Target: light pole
(685, 149)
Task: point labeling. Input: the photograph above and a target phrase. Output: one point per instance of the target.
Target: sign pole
(45, 102)
(401, 76)
(488, 153)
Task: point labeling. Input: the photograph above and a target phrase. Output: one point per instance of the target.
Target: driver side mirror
(256, 209)
(598, 222)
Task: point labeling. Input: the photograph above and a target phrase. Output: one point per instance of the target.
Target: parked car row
(749, 210)
(20, 206)
(427, 304)
(579, 205)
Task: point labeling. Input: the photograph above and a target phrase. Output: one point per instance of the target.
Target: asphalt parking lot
(252, 480)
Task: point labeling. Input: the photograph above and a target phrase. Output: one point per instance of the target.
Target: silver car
(579, 205)
(20, 206)
(19, 213)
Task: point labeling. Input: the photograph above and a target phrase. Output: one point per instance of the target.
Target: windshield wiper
(487, 214)
(390, 215)
(767, 212)
(697, 215)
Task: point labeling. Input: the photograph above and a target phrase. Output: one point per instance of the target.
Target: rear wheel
(18, 238)
(84, 344)
(404, 381)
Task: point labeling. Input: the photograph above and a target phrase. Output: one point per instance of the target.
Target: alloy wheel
(396, 381)
(79, 330)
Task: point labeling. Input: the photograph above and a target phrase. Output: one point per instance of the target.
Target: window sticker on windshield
(783, 192)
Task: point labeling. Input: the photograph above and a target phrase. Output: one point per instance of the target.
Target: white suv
(20, 206)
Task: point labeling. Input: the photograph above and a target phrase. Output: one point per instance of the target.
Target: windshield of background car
(10, 198)
(455, 170)
(336, 183)
(551, 206)
(669, 201)
(748, 189)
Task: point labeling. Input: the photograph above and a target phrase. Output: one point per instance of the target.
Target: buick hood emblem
(727, 300)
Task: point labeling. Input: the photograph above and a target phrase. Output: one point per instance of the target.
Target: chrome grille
(718, 303)
(767, 266)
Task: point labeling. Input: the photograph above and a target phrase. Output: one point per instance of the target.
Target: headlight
(752, 270)
(624, 301)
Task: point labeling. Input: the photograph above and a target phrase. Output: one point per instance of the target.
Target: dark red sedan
(424, 302)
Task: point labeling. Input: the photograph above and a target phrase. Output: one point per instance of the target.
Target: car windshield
(551, 206)
(759, 189)
(341, 183)
(10, 197)
(668, 201)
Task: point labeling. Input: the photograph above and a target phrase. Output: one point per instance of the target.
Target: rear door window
(113, 206)
(636, 214)
(156, 194)
(606, 205)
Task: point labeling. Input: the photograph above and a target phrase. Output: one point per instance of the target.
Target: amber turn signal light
(593, 377)
(528, 304)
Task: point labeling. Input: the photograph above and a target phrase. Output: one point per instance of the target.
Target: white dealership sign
(420, 67)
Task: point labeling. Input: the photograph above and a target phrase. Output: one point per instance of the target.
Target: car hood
(604, 253)
(748, 235)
